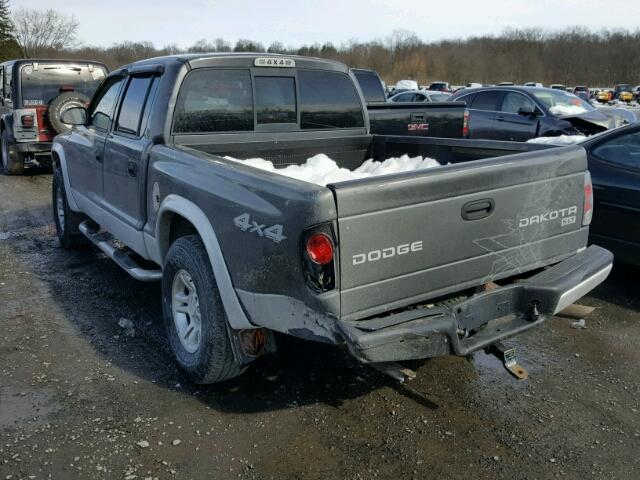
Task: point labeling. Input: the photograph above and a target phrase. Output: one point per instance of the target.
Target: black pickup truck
(436, 119)
(445, 260)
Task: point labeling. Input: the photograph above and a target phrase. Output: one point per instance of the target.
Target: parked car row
(523, 113)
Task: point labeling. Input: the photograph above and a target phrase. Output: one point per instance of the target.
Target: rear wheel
(12, 161)
(67, 221)
(194, 316)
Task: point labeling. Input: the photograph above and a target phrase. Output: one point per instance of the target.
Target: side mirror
(528, 111)
(74, 116)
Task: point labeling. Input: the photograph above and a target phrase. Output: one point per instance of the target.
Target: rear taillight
(588, 200)
(27, 121)
(318, 254)
(320, 248)
(465, 124)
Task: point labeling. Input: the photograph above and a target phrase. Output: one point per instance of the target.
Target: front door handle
(500, 119)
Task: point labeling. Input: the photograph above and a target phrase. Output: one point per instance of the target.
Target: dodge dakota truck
(447, 260)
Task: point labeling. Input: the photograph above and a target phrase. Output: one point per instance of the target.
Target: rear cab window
(328, 100)
(275, 100)
(40, 83)
(219, 100)
(215, 100)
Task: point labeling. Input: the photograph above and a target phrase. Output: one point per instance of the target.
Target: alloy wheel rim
(185, 308)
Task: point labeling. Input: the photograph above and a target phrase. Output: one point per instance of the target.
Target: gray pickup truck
(411, 265)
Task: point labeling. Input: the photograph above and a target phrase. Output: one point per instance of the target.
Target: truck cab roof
(239, 59)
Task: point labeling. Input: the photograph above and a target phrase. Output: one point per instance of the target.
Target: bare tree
(41, 31)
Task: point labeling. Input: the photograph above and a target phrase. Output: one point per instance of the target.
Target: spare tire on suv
(63, 102)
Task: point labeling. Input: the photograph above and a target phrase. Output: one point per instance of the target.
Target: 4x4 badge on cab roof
(274, 62)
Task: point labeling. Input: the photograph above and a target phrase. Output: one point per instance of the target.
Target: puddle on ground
(25, 406)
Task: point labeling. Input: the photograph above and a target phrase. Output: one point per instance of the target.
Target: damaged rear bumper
(480, 320)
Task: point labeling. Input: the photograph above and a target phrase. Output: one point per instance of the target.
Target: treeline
(572, 56)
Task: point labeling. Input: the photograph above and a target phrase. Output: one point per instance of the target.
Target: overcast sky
(182, 22)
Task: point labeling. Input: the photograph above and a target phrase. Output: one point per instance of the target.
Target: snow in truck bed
(321, 170)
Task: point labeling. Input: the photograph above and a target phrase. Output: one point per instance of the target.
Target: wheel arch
(177, 212)
(58, 157)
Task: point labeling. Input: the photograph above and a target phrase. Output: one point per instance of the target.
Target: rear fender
(175, 204)
(59, 157)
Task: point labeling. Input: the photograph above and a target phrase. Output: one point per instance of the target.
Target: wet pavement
(79, 398)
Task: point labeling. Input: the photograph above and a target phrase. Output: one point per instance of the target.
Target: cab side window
(2, 83)
(623, 151)
(513, 102)
(102, 109)
(135, 97)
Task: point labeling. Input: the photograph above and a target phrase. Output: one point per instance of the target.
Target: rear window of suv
(42, 82)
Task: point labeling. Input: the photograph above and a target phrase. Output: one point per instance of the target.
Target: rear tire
(12, 162)
(66, 220)
(194, 316)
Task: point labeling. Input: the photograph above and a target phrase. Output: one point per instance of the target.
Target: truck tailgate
(416, 236)
(437, 119)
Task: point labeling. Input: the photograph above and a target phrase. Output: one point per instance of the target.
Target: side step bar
(123, 257)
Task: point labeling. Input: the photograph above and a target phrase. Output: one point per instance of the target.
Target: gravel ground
(80, 397)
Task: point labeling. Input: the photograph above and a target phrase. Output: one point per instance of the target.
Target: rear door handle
(477, 209)
(500, 119)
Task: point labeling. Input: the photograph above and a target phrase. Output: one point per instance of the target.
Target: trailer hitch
(509, 359)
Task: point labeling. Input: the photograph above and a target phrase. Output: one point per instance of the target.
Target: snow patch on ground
(321, 170)
(562, 110)
(561, 140)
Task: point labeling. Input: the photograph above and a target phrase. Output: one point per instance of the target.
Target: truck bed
(461, 223)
